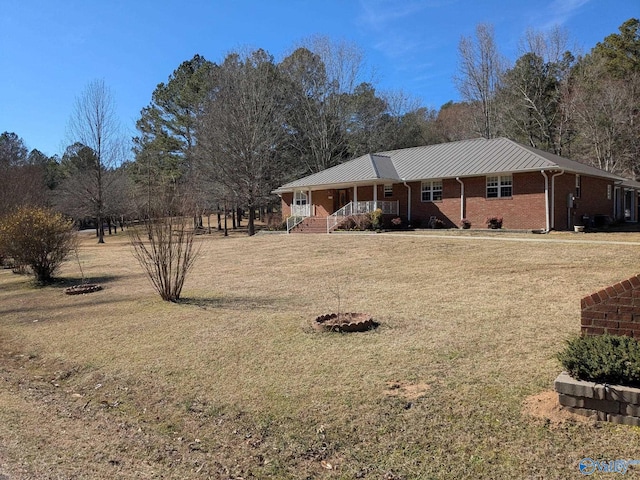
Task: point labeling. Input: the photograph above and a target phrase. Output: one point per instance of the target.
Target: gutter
(550, 198)
(461, 197)
(408, 200)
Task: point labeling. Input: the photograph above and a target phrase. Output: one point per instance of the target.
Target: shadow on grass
(70, 281)
(231, 301)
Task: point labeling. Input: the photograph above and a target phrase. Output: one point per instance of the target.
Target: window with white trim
(578, 186)
(500, 186)
(300, 198)
(432, 191)
(388, 190)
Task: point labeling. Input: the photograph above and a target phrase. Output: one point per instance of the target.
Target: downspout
(553, 197)
(546, 201)
(461, 197)
(550, 198)
(617, 210)
(408, 201)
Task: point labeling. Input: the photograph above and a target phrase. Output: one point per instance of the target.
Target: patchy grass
(234, 383)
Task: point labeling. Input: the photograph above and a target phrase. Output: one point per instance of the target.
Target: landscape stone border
(611, 403)
(345, 322)
(80, 289)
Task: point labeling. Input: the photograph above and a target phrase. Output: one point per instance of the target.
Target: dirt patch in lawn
(545, 406)
(408, 391)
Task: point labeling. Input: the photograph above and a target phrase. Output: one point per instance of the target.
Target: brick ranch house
(471, 179)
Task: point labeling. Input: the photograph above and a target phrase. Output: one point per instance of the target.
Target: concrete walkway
(537, 238)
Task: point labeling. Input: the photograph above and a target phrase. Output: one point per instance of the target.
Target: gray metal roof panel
(368, 167)
(384, 167)
(464, 158)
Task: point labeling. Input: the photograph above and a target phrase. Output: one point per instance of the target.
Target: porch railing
(301, 210)
(360, 208)
(298, 214)
(294, 220)
(388, 208)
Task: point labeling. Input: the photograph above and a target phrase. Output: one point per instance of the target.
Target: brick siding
(614, 310)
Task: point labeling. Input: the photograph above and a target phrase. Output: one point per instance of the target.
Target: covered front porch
(335, 205)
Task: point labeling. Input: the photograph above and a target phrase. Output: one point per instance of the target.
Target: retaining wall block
(630, 410)
(623, 419)
(585, 412)
(577, 388)
(623, 394)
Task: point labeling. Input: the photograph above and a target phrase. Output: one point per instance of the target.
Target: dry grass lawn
(234, 383)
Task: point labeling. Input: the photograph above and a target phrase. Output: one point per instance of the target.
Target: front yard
(234, 383)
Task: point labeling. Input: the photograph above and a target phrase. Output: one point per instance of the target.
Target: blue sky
(51, 49)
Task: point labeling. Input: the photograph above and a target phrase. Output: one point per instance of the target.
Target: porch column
(355, 194)
(310, 205)
(375, 192)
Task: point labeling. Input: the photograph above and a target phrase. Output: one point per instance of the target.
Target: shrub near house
(38, 238)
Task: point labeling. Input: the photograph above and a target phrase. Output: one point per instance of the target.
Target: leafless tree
(480, 69)
(531, 97)
(605, 109)
(94, 124)
(242, 128)
(320, 76)
(165, 248)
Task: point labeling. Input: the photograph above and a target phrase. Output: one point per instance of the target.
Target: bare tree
(94, 124)
(164, 247)
(532, 93)
(320, 77)
(480, 70)
(242, 128)
(604, 110)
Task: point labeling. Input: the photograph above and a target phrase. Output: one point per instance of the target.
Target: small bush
(348, 223)
(603, 359)
(274, 222)
(363, 222)
(38, 238)
(376, 219)
(494, 223)
(164, 247)
(396, 222)
(464, 223)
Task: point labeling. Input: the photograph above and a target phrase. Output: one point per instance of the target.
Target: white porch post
(375, 192)
(355, 194)
(310, 205)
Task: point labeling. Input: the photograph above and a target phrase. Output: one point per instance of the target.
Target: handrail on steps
(294, 220)
(336, 217)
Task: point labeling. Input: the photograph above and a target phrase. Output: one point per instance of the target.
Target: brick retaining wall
(614, 310)
(612, 403)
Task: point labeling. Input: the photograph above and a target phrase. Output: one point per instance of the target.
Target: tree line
(219, 137)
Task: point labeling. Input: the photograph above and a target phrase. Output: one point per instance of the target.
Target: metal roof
(364, 169)
(465, 158)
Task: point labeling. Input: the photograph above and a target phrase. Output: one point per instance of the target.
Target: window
(300, 198)
(608, 192)
(499, 186)
(432, 191)
(388, 190)
(578, 186)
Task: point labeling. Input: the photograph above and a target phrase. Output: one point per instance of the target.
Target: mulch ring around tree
(81, 289)
(345, 322)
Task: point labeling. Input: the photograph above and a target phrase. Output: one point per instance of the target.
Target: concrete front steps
(311, 225)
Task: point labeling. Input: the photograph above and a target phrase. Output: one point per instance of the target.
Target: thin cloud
(562, 10)
(387, 19)
(379, 14)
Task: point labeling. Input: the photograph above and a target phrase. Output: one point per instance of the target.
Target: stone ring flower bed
(345, 322)
(80, 289)
(612, 403)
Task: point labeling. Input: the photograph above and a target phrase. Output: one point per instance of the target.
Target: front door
(341, 199)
